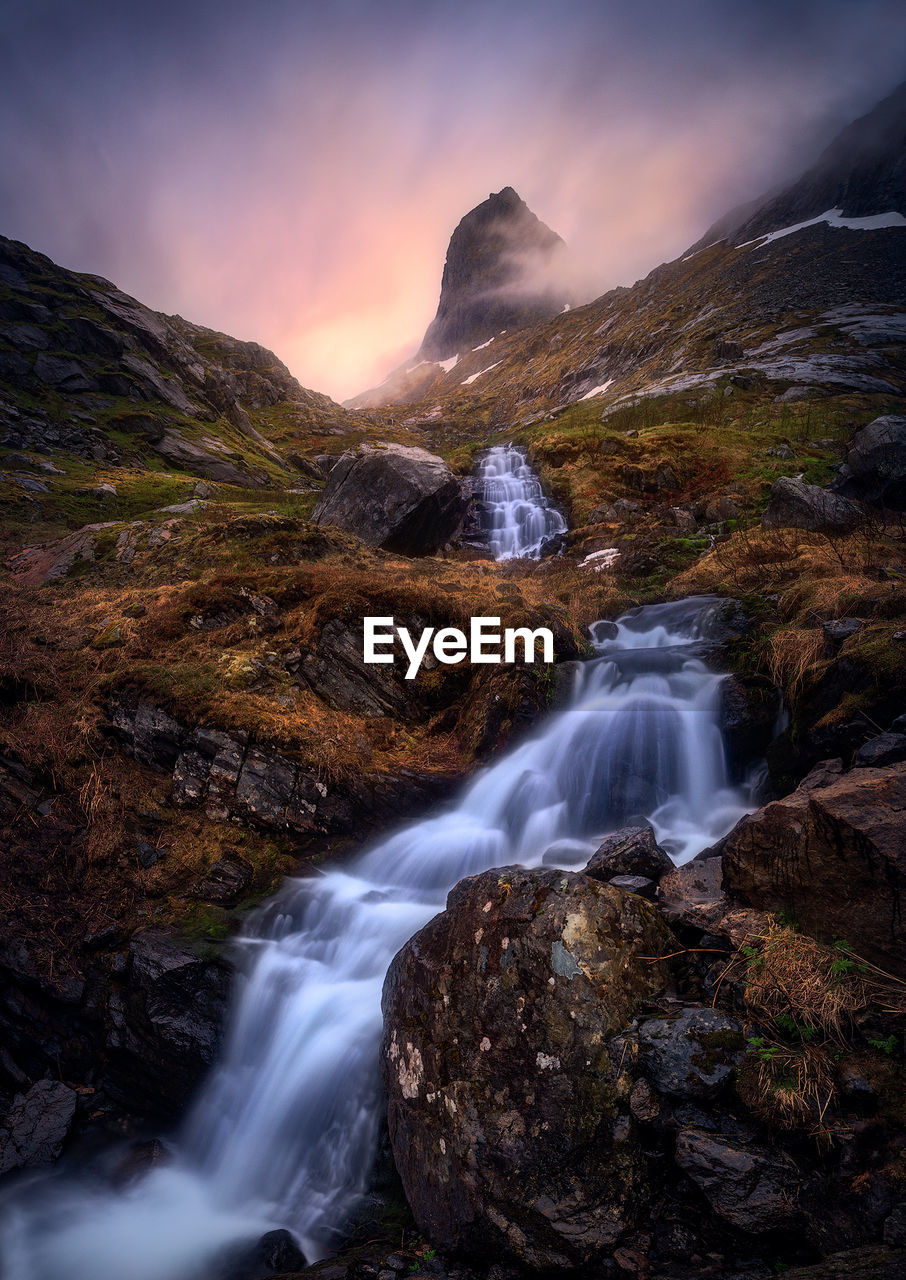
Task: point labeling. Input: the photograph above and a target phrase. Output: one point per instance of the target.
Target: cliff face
(500, 273)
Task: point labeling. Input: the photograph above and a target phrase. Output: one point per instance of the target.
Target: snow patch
(447, 365)
(467, 382)
(833, 218)
(599, 560)
(482, 345)
(597, 391)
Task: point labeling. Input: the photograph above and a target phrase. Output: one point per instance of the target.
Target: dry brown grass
(795, 655)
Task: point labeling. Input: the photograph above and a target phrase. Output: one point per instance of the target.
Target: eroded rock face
(834, 855)
(403, 499)
(796, 505)
(750, 1187)
(503, 1109)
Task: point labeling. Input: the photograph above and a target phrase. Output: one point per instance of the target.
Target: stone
(635, 884)
(875, 467)
(751, 1188)
(104, 492)
(782, 451)
(796, 505)
(692, 1055)
(504, 1114)
(148, 855)
(37, 1126)
(195, 458)
(228, 881)
(683, 518)
(632, 851)
(838, 630)
(895, 1227)
(49, 562)
(750, 707)
(62, 374)
(393, 496)
(834, 856)
(887, 748)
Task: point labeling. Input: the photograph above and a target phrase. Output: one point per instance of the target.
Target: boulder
(886, 748)
(175, 448)
(37, 1126)
(875, 466)
(390, 495)
(835, 856)
(632, 851)
(796, 505)
(750, 1187)
(505, 1120)
(692, 1055)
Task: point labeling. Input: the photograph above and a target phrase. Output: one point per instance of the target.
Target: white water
(284, 1131)
(519, 516)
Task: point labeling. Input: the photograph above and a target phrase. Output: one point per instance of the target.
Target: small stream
(284, 1131)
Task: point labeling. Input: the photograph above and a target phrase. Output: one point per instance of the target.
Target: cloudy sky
(291, 171)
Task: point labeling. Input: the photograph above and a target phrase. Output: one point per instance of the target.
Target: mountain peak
(500, 273)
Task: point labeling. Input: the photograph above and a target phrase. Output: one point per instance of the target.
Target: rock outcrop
(499, 274)
(392, 496)
(834, 855)
(503, 1109)
(37, 1126)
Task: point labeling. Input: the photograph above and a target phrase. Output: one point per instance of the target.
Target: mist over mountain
(500, 273)
(862, 172)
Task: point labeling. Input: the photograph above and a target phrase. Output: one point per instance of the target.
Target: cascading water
(284, 1131)
(519, 517)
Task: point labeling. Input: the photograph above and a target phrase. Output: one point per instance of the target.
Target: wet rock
(632, 851)
(796, 505)
(37, 1126)
(752, 1188)
(693, 1055)
(835, 856)
(887, 748)
(875, 466)
(503, 1109)
(139, 1160)
(635, 884)
(279, 1251)
(403, 499)
(750, 706)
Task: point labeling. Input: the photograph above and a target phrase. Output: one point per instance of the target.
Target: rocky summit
(636, 913)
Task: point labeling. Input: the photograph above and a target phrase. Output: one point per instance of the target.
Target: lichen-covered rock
(835, 856)
(403, 499)
(504, 1114)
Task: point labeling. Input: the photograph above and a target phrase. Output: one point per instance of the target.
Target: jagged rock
(404, 499)
(228, 881)
(497, 275)
(887, 748)
(514, 1143)
(153, 736)
(752, 1188)
(62, 374)
(796, 505)
(37, 1126)
(336, 671)
(692, 1055)
(875, 466)
(835, 856)
(632, 851)
(50, 561)
(639, 885)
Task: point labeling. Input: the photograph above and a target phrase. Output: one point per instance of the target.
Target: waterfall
(283, 1133)
(518, 517)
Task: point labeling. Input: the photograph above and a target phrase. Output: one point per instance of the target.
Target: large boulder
(793, 504)
(835, 856)
(504, 1114)
(631, 851)
(875, 466)
(390, 495)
